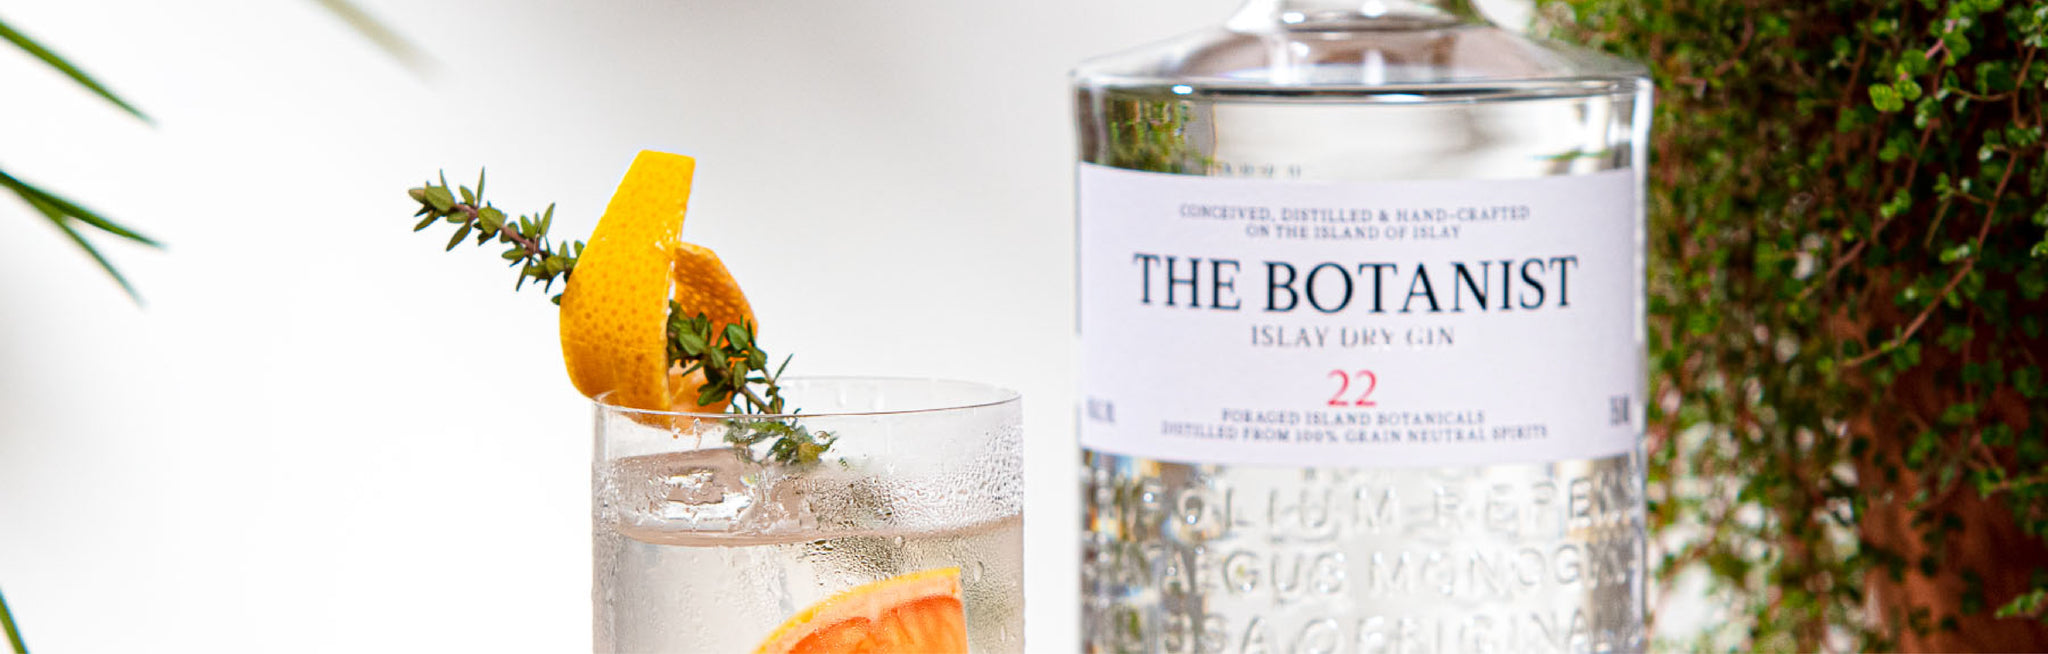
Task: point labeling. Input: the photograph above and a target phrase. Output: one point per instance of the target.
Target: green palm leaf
(62, 213)
(385, 38)
(13, 634)
(55, 61)
(33, 195)
(65, 214)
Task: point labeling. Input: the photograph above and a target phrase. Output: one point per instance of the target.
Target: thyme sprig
(528, 234)
(790, 443)
(734, 366)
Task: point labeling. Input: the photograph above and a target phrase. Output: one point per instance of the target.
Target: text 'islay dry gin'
(1361, 311)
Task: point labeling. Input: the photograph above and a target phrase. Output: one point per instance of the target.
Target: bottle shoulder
(1357, 57)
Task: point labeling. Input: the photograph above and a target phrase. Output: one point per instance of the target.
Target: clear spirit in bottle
(1361, 312)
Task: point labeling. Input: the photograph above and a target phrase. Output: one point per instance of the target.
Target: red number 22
(1366, 377)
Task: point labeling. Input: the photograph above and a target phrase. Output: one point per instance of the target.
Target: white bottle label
(1349, 324)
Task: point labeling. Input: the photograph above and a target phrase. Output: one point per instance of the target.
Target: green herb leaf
(440, 199)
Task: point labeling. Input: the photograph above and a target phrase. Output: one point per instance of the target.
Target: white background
(322, 433)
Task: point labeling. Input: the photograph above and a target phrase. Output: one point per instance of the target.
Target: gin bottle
(1361, 311)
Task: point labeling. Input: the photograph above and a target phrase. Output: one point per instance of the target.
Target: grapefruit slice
(916, 613)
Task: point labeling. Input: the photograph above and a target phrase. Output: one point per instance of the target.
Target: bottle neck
(1387, 14)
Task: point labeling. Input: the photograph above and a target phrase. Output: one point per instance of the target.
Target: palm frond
(56, 61)
(63, 213)
(385, 38)
(13, 634)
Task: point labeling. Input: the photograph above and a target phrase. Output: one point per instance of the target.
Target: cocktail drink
(904, 535)
(733, 510)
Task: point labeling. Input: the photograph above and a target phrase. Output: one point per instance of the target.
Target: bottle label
(1360, 324)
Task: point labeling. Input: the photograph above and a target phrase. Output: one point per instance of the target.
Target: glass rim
(1002, 395)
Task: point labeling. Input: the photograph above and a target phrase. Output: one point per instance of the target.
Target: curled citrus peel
(702, 285)
(615, 309)
(916, 613)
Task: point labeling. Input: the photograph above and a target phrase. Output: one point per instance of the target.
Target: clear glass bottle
(1363, 344)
